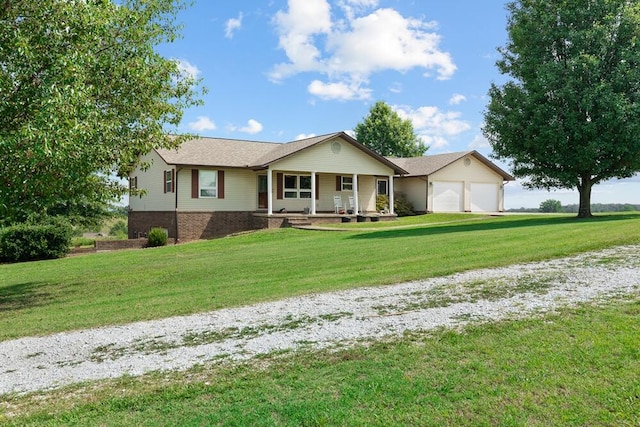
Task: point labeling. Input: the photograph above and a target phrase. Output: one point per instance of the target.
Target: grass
(40, 298)
(577, 367)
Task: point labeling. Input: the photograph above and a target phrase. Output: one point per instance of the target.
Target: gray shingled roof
(427, 165)
(234, 153)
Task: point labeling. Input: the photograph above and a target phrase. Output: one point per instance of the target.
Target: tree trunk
(584, 210)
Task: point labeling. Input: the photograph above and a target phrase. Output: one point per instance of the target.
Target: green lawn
(39, 298)
(574, 367)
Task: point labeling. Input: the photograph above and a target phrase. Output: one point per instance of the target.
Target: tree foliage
(386, 133)
(82, 93)
(569, 116)
(551, 205)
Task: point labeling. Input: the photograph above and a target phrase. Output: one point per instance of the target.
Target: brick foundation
(186, 226)
(207, 225)
(140, 223)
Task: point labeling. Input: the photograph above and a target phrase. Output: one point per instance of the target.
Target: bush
(36, 241)
(382, 202)
(118, 229)
(401, 206)
(157, 237)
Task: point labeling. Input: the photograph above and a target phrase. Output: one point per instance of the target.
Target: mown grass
(39, 298)
(576, 367)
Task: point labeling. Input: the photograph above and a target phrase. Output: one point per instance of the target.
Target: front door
(263, 198)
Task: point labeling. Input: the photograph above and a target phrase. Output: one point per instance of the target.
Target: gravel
(317, 321)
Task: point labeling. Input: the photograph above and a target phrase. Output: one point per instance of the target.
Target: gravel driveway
(317, 321)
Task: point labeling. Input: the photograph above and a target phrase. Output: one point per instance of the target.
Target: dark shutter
(279, 184)
(173, 180)
(220, 184)
(164, 180)
(195, 183)
(338, 183)
(317, 187)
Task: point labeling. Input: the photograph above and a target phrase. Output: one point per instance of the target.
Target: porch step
(298, 221)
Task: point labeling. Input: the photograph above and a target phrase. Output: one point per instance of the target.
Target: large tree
(569, 117)
(386, 133)
(83, 92)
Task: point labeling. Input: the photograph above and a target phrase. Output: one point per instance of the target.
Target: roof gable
(428, 165)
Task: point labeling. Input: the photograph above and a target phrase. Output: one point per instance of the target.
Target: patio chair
(351, 205)
(338, 205)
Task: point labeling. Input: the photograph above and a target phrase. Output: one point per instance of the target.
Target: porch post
(313, 193)
(356, 208)
(391, 201)
(269, 191)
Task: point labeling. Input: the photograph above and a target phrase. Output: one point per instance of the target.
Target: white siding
(240, 192)
(415, 191)
(152, 181)
(321, 158)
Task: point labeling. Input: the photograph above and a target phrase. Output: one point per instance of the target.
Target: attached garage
(484, 197)
(448, 196)
(453, 182)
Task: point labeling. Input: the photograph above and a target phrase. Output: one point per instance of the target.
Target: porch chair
(338, 205)
(351, 205)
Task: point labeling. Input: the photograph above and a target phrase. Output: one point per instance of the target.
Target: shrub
(401, 206)
(382, 202)
(36, 241)
(157, 237)
(118, 229)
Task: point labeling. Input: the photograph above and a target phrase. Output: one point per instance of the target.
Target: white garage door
(447, 196)
(484, 197)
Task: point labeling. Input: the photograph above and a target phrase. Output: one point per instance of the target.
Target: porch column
(391, 201)
(269, 191)
(356, 208)
(313, 193)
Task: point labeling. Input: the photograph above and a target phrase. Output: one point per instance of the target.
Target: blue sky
(279, 70)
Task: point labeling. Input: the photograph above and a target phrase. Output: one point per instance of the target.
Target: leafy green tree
(82, 93)
(569, 116)
(551, 205)
(386, 133)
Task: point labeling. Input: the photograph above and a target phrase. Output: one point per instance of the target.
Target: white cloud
(348, 50)
(253, 127)
(433, 125)
(232, 25)
(338, 91)
(479, 142)
(304, 136)
(202, 123)
(457, 99)
(187, 69)
(396, 87)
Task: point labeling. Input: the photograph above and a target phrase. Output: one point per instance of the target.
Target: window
(133, 184)
(383, 187)
(347, 183)
(168, 181)
(297, 186)
(208, 184)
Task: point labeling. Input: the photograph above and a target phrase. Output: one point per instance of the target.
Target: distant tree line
(552, 205)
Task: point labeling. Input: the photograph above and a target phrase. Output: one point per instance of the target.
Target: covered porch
(323, 195)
